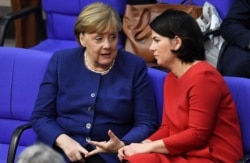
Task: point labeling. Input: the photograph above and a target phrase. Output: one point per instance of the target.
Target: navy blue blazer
(235, 29)
(85, 105)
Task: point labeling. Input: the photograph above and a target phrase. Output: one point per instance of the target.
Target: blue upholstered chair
(21, 72)
(60, 19)
(221, 6)
(157, 78)
(240, 89)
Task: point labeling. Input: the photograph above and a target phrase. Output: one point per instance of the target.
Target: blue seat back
(157, 78)
(21, 71)
(61, 16)
(222, 6)
(240, 90)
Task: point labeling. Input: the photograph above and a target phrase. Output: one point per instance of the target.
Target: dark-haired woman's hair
(173, 23)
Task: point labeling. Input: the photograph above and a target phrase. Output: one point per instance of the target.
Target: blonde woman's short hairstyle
(97, 18)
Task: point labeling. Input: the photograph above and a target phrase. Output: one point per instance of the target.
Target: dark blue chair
(240, 90)
(60, 19)
(21, 71)
(157, 78)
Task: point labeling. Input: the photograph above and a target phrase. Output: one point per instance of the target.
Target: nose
(151, 47)
(106, 44)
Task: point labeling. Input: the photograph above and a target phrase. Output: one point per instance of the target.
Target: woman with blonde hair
(96, 98)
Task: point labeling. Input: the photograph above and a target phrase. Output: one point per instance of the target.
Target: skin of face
(101, 48)
(162, 46)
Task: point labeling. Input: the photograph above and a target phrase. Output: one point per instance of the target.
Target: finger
(83, 151)
(98, 144)
(72, 158)
(114, 138)
(121, 153)
(112, 135)
(78, 156)
(120, 157)
(93, 142)
(93, 152)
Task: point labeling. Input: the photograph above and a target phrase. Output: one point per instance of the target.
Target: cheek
(93, 46)
(162, 49)
(114, 44)
(165, 53)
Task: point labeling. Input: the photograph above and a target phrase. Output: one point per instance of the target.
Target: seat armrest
(15, 140)
(4, 21)
(244, 159)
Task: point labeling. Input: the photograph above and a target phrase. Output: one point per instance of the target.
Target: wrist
(60, 140)
(146, 141)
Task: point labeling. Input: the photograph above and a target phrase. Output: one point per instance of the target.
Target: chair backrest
(157, 78)
(221, 6)
(240, 90)
(21, 71)
(62, 14)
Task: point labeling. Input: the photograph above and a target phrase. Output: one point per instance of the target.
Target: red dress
(200, 122)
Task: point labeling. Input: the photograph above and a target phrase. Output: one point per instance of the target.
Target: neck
(182, 68)
(96, 70)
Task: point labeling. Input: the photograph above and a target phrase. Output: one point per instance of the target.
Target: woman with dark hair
(200, 122)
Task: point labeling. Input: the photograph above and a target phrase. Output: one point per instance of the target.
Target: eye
(98, 38)
(156, 39)
(113, 37)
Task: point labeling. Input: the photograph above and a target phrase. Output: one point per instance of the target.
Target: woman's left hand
(132, 149)
(112, 145)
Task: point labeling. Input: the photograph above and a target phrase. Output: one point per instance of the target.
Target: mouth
(106, 54)
(156, 56)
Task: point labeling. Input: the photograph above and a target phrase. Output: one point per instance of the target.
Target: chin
(158, 62)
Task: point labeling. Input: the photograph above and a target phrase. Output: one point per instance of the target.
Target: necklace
(98, 72)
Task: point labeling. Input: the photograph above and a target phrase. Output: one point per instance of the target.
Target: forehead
(101, 34)
(154, 34)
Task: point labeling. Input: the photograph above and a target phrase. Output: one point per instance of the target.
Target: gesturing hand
(112, 145)
(73, 150)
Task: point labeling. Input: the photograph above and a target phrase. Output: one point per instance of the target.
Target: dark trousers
(94, 158)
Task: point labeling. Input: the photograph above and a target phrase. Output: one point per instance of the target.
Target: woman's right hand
(73, 150)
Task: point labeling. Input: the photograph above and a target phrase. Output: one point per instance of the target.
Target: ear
(82, 39)
(177, 42)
